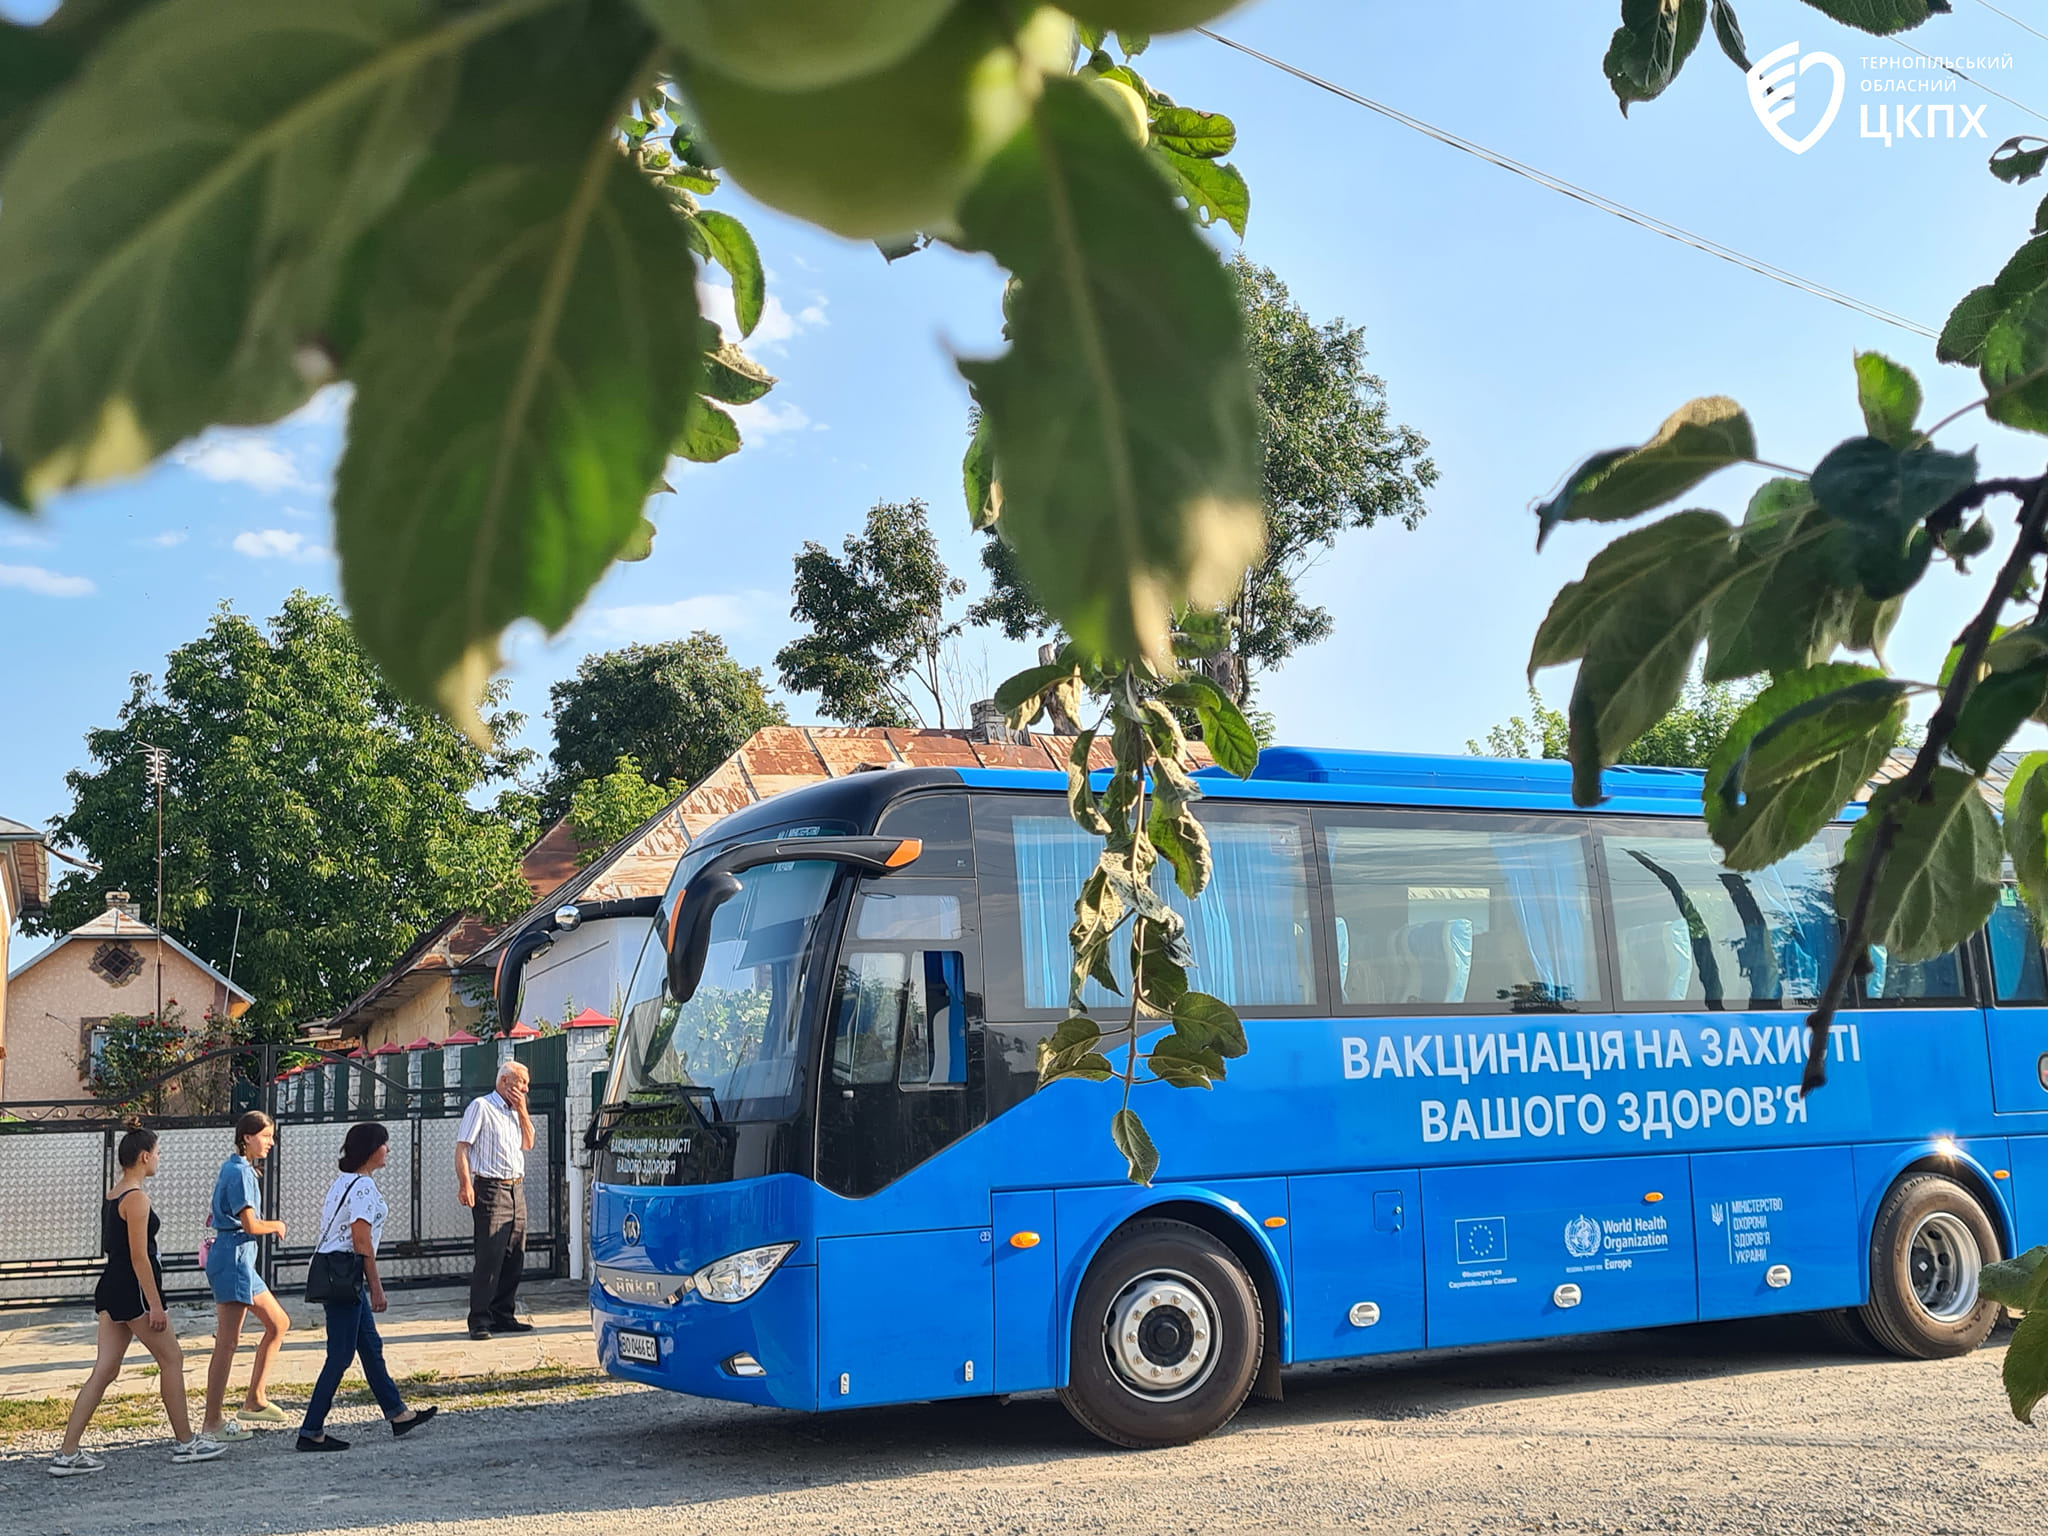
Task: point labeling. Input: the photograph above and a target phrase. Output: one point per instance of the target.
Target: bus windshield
(739, 1037)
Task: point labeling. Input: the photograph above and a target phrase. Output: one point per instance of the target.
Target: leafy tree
(877, 621)
(1332, 462)
(306, 803)
(678, 709)
(134, 1053)
(604, 810)
(1685, 738)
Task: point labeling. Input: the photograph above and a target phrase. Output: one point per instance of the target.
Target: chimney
(987, 722)
(119, 904)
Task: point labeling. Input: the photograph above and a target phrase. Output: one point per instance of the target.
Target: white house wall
(589, 967)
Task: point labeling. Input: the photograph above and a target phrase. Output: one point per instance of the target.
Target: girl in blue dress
(238, 1289)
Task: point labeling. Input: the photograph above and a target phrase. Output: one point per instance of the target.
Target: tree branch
(1852, 960)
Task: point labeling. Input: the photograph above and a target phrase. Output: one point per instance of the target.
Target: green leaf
(1813, 733)
(1212, 189)
(1159, 980)
(1225, 731)
(1200, 633)
(2026, 830)
(2019, 1283)
(1969, 323)
(1890, 397)
(2013, 165)
(1092, 1066)
(637, 548)
(978, 477)
(1130, 444)
(732, 376)
(1996, 708)
(1759, 827)
(1198, 135)
(1211, 1023)
(1795, 597)
(36, 62)
(1698, 438)
(1021, 696)
(177, 219)
(1181, 837)
(724, 239)
(1080, 797)
(1881, 496)
(1870, 623)
(528, 363)
(1132, 41)
(1624, 572)
(1180, 1063)
(709, 434)
(1940, 881)
(1650, 46)
(2026, 1365)
(1128, 1132)
(1881, 17)
(1728, 33)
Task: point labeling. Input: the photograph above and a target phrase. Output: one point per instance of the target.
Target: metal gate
(57, 1162)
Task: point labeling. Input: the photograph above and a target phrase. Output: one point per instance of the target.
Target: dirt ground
(1718, 1427)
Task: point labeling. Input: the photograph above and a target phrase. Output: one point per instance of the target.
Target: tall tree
(678, 709)
(1331, 462)
(603, 810)
(1684, 738)
(877, 622)
(307, 806)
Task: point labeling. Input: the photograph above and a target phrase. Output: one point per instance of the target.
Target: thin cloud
(776, 326)
(240, 459)
(23, 538)
(720, 611)
(277, 544)
(768, 417)
(33, 578)
(170, 538)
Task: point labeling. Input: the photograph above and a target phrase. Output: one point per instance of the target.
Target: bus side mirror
(536, 937)
(689, 936)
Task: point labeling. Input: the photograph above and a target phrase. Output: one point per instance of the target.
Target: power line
(1972, 79)
(1994, 10)
(1580, 194)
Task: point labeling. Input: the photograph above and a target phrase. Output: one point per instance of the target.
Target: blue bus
(1517, 1070)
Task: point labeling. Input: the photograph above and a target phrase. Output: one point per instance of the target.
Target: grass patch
(27, 1415)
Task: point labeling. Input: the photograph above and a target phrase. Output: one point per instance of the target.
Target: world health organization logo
(1582, 1237)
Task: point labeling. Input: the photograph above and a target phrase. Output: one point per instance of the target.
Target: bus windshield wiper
(605, 1123)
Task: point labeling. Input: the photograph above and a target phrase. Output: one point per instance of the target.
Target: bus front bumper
(704, 1347)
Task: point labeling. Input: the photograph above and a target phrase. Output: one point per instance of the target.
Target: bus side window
(2015, 951)
(873, 996)
(935, 1026)
(1442, 911)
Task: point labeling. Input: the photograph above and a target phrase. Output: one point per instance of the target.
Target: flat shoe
(479, 1333)
(269, 1413)
(407, 1426)
(515, 1326)
(229, 1431)
(328, 1444)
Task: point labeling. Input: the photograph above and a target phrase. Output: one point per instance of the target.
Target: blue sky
(1516, 329)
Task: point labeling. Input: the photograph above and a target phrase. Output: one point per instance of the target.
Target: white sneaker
(76, 1465)
(196, 1450)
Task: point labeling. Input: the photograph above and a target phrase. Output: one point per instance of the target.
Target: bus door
(904, 1314)
(2016, 1030)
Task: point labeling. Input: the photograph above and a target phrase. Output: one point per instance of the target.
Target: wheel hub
(1160, 1335)
(1942, 1263)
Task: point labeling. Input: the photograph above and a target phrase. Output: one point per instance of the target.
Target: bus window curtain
(1242, 931)
(1546, 881)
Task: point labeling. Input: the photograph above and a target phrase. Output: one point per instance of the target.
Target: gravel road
(1718, 1427)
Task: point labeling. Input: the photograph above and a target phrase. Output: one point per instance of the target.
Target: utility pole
(156, 769)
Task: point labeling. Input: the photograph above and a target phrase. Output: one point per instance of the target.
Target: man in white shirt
(490, 1169)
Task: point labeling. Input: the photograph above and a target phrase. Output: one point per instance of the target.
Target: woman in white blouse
(352, 1218)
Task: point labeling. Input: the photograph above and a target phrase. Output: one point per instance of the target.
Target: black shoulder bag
(335, 1277)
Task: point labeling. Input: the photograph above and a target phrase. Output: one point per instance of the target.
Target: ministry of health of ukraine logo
(1773, 91)
(1582, 1237)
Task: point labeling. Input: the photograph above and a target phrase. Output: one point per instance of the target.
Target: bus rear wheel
(1930, 1243)
(1167, 1337)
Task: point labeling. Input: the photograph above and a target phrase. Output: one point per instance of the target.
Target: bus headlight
(738, 1275)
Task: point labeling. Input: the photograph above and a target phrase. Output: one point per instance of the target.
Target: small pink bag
(205, 1249)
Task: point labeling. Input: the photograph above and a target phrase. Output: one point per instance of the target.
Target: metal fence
(57, 1160)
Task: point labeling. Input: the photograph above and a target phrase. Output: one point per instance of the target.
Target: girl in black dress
(130, 1302)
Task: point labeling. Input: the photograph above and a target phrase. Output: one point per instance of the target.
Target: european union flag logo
(1482, 1239)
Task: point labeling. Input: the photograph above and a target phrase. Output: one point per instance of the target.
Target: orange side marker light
(1023, 1239)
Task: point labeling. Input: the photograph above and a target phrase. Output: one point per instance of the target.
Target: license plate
(644, 1347)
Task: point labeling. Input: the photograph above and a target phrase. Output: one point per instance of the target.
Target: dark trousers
(500, 1214)
(351, 1334)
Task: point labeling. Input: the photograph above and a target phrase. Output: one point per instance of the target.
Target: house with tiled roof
(112, 965)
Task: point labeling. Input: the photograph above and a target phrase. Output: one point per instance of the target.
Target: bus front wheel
(1167, 1337)
(1930, 1242)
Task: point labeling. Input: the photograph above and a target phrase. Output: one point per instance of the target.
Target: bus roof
(1334, 776)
